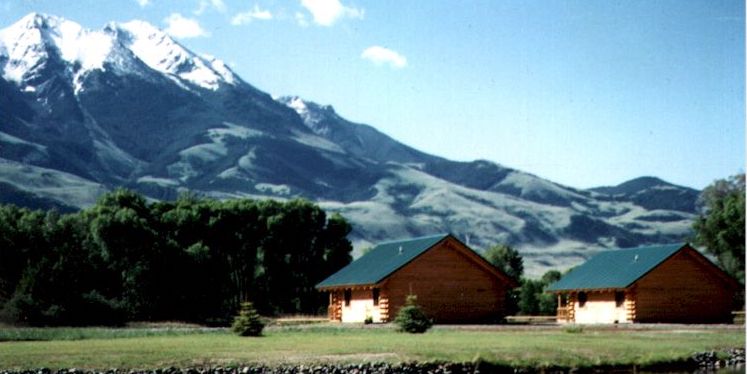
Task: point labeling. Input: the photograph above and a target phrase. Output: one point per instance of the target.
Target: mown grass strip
(10, 334)
(319, 344)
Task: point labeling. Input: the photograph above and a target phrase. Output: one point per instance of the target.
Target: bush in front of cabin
(411, 317)
(248, 322)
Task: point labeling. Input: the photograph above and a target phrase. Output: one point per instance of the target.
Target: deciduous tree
(721, 224)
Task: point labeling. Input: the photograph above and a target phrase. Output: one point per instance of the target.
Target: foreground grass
(324, 344)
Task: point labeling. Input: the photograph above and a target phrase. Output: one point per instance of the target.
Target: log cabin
(656, 284)
(453, 284)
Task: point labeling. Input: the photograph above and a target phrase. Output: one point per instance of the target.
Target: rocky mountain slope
(85, 111)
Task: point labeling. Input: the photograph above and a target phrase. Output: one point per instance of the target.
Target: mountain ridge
(153, 116)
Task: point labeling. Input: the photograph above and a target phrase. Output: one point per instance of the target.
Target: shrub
(574, 329)
(248, 322)
(411, 318)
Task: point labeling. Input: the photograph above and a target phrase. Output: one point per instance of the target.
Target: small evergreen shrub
(411, 318)
(248, 322)
(368, 320)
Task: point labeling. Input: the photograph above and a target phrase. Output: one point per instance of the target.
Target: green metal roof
(381, 261)
(617, 268)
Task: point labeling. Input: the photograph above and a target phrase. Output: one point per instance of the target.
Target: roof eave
(349, 285)
(596, 289)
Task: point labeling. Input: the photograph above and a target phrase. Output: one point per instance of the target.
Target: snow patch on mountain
(28, 43)
(76, 45)
(162, 53)
(312, 114)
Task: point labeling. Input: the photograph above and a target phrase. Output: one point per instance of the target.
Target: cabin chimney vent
(635, 258)
(400, 249)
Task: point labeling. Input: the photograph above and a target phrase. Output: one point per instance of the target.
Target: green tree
(122, 230)
(532, 297)
(507, 259)
(337, 247)
(511, 263)
(199, 278)
(548, 303)
(720, 226)
(65, 286)
(529, 297)
(550, 277)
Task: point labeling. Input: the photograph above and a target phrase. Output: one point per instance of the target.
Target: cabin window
(563, 300)
(619, 298)
(348, 296)
(375, 295)
(581, 299)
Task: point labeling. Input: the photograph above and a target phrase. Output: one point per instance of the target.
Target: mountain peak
(38, 21)
(162, 53)
(312, 113)
(30, 42)
(47, 25)
(633, 186)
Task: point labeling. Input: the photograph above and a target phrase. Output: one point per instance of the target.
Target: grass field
(533, 347)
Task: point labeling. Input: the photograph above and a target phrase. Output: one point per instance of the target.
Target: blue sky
(584, 93)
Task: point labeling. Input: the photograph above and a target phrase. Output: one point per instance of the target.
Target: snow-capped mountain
(84, 111)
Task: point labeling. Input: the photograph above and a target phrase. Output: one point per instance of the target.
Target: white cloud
(218, 5)
(301, 19)
(327, 12)
(381, 56)
(180, 27)
(143, 3)
(249, 16)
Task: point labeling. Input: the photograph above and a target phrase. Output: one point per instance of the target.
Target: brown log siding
(683, 289)
(450, 286)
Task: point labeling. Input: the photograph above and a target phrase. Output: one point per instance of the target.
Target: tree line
(191, 260)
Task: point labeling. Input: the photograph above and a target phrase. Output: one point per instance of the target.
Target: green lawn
(519, 347)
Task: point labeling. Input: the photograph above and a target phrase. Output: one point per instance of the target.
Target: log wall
(451, 286)
(683, 289)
